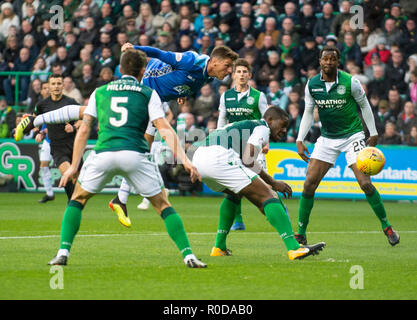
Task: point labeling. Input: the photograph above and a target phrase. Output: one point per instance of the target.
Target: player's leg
(45, 158)
(144, 177)
(61, 115)
(70, 224)
(316, 170)
(69, 188)
(351, 148)
(228, 209)
(271, 205)
(374, 199)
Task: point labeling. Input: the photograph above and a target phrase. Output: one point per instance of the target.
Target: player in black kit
(61, 135)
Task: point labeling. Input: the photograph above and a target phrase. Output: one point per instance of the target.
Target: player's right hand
(68, 175)
(127, 46)
(303, 151)
(194, 174)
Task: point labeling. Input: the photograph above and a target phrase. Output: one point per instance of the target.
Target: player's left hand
(265, 149)
(282, 187)
(372, 141)
(68, 175)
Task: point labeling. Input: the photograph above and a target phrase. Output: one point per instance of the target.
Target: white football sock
(47, 181)
(61, 115)
(63, 252)
(124, 191)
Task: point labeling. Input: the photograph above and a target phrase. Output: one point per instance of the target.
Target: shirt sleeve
(91, 107)
(259, 137)
(308, 115)
(222, 121)
(150, 129)
(263, 103)
(360, 97)
(179, 60)
(155, 109)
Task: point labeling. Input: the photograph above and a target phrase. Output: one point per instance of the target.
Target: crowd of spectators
(280, 39)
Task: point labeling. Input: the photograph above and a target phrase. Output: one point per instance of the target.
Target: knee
(310, 185)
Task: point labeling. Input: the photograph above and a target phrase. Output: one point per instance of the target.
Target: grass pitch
(109, 261)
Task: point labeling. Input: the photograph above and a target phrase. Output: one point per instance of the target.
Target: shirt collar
(129, 76)
(337, 77)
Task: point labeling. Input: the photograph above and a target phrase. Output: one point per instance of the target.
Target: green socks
(304, 210)
(176, 231)
(228, 209)
(277, 217)
(70, 224)
(375, 201)
(238, 214)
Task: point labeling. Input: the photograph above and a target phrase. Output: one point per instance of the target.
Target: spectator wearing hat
(270, 29)
(330, 40)
(165, 41)
(395, 13)
(383, 52)
(249, 46)
(7, 18)
(323, 25)
(132, 32)
(7, 119)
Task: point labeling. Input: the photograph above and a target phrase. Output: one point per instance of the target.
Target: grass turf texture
(109, 261)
